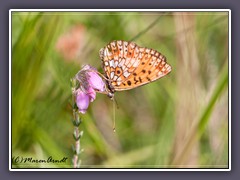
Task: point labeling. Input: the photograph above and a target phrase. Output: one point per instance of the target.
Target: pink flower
(82, 101)
(90, 82)
(94, 80)
(71, 42)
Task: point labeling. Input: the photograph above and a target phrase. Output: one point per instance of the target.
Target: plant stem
(76, 133)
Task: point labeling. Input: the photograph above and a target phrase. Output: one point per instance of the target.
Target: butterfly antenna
(109, 80)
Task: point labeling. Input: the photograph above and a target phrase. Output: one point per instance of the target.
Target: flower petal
(92, 94)
(82, 101)
(96, 81)
(87, 67)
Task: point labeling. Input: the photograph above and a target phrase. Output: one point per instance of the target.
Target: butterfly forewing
(127, 65)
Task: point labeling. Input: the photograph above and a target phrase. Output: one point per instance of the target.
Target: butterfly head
(110, 90)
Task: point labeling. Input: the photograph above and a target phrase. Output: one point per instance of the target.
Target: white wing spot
(123, 67)
(112, 74)
(132, 61)
(121, 63)
(112, 63)
(126, 74)
(159, 73)
(118, 83)
(168, 67)
(136, 63)
(115, 78)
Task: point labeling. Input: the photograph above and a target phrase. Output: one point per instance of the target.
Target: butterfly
(127, 65)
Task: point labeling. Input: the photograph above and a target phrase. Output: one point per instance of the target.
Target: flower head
(90, 82)
(71, 42)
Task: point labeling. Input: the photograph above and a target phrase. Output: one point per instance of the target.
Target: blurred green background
(179, 121)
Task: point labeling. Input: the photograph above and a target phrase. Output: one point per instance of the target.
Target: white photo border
(122, 10)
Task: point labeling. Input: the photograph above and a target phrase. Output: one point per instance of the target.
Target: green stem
(76, 133)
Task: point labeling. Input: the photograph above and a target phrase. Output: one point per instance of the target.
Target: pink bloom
(90, 82)
(82, 101)
(94, 80)
(71, 42)
(91, 93)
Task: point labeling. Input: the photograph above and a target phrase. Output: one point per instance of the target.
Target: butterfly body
(127, 65)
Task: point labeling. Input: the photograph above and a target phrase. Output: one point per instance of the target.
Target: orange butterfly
(127, 65)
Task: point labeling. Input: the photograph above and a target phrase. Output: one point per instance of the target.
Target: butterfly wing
(128, 66)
